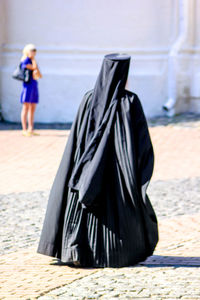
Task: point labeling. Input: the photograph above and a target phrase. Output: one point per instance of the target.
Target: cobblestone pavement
(133, 283)
(22, 214)
(26, 161)
(21, 218)
(28, 166)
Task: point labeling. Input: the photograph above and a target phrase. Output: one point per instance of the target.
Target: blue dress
(30, 90)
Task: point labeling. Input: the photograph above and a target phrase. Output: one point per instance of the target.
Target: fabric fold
(99, 213)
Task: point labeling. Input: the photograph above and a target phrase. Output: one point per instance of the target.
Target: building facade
(162, 36)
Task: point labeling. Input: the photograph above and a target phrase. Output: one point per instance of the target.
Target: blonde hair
(27, 49)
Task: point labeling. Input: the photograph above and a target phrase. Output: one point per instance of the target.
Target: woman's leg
(31, 111)
(24, 113)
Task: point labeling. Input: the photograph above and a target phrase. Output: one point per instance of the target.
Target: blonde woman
(29, 95)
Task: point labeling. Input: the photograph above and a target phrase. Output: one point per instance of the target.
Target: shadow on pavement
(171, 261)
(154, 261)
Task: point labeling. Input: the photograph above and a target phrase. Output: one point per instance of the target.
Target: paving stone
(163, 283)
(28, 210)
(27, 161)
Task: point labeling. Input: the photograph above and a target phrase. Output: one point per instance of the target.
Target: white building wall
(73, 36)
(195, 61)
(2, 37)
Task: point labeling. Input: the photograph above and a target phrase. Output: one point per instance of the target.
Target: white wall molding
(94, 53)
(7, 48)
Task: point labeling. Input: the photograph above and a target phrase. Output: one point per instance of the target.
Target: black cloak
(98, 213)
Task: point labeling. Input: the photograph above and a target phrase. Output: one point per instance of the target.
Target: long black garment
(99, 213)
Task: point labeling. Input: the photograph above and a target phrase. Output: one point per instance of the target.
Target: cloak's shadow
(157, 261)
(154, 261)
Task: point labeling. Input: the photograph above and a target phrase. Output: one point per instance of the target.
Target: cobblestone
(175, 197)
(21, 218)
(133, 283)
(22, 214)
(27, 161)
(26, 275)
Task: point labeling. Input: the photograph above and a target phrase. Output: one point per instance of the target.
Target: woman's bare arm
(37, 73)
(32, 66)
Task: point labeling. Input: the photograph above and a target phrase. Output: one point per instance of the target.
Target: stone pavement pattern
(28, 166)
(133, 283)
(26, 275)
(21, 214)
(31, 163)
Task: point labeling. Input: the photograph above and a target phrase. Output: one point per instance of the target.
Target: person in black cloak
(98, 213)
